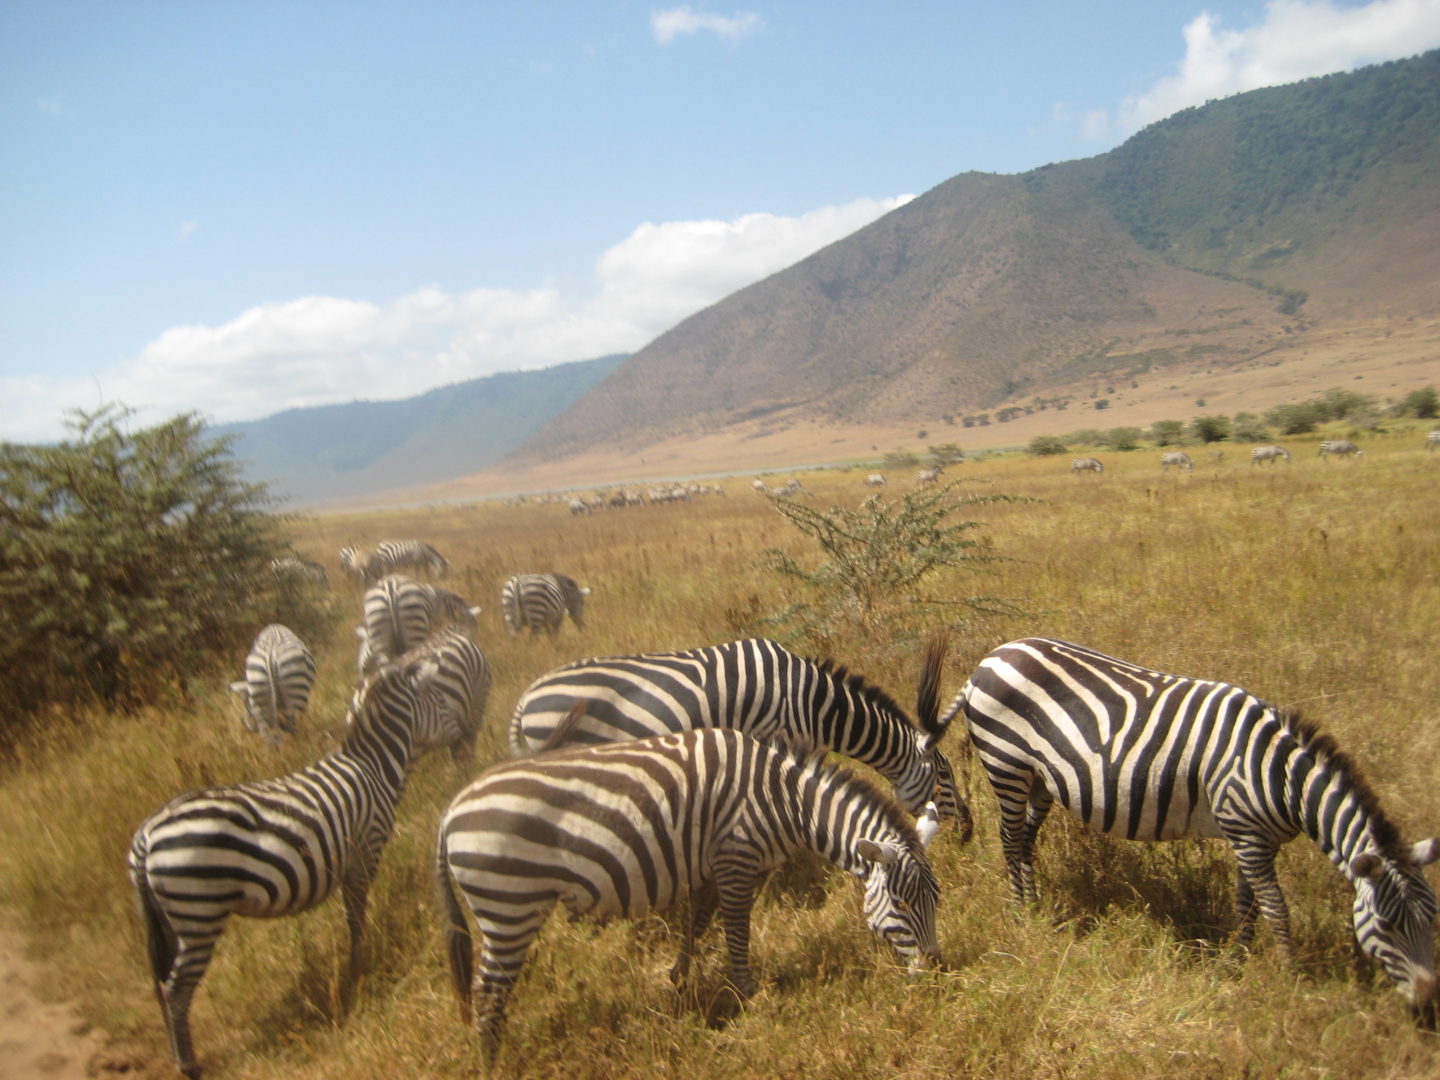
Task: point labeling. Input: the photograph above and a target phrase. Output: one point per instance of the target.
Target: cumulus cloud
(319, 349)
(1296, 39)
(672, 23)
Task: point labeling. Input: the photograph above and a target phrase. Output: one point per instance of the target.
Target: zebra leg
(355, 888)
(1245, 909)
(703, 903)
(1257, 865)
(192, 957)
(737, 880)
(1024, 803)
(504, 946)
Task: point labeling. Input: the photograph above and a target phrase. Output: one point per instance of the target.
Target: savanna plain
(1314, 583)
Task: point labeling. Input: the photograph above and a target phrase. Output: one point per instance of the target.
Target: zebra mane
(816, 761)
(1327, 750)
(867, 691)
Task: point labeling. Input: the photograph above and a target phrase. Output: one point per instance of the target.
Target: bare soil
(1385, 357)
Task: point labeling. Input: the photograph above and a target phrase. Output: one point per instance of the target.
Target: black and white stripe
(537, 602)
(1086, 464)
(462, 681)
(1432, 441)
(757, 686)
(1271, 454)
(415, 556)
(628, 828)
(1178, 459)
(1144, 755)
(1343, 447)
(400, 613)
(294, 569)
(928, 475)
(279, 678)
(277, 847)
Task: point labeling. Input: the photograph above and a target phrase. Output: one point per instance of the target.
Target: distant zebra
(1149, 756)
(295, 569)
(578, 507)
(279, 678)
(1086, 464)
(277, 847)
(628, 828)
(1271, 454)
(537, 602)
(352, 561)
(400, 613)
(875, 479)
(759, 687)
(462, 682)
(1432, 440)
(1177, 458)
(928, 476)
(1343, 447)
(786, 490)
(759, 485)
(416, 556)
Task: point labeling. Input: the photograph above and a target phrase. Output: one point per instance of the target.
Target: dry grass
(1314, 585)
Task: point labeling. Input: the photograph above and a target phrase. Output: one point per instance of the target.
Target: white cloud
(319, 350)
(1297, 39)
(671, 23)
(185, 230)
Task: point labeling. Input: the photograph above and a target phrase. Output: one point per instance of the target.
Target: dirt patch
(43, 1040)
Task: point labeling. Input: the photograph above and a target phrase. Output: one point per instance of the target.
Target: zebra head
(901, 894)
(1394, 913)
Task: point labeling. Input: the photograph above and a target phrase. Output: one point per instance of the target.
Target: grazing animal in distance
(1086, 464)
(928, 475)
(1342, 447)
(628, 828)
(416, 556)
(1177, 458)
(1145, 755)
(875, 479)
(1432, 440)
(400, 613)
(537, 602)
(279, 678)
(1271, 454)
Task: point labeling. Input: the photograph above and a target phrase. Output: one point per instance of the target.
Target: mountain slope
(1211, 235)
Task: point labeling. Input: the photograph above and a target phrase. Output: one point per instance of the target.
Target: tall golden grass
(1314, 584)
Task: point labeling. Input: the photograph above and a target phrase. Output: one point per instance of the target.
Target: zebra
(400, 613)
(1432, 440)
(352, 561)
(414, 555)
(628, 828)
(759, 485)
(928, 475)
(1271, 454)
(290, 569)
(1343, 447)
(462, 682)
(578, 507)
(787, 490)
(758, 686)
(1178, 458)
(539, 602)
(876, 479)
(1149, 756)
(1086, 464)
(278, 847)
(279, 678)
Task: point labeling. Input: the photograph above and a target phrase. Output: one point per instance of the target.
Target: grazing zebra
(279, 677)
(400, 613)
(1343, 447)
(414, 555)
(1271, 454)
(578, 507)
(628, 828)
(787, 490)
(1432, 440)
(759, 687)
(537, 602)
(1086, 464)
(875, 479)
(759, 485)
(302, 570)
(928, 475)
(1149, 756)
(277, 847)
(462, 682)
(352, 561)
(1178, 458)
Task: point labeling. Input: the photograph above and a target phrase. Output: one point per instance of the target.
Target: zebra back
(279, 678)
(754, 685)
(1086, 464)
(628, 828)
(537, 602)
(414, 555)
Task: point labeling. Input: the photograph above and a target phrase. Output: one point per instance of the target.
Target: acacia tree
(129, 561)
(881, 550)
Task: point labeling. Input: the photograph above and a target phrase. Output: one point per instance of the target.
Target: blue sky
(237, 208)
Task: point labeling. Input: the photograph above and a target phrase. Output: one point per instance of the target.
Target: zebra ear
(1426, 851)
(239, 687)
(929, 824)
(1366, 865)
(877, 853)
(474, 610)
(360, 632)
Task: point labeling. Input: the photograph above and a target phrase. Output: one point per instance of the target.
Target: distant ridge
(1210, 237)
(329, 453)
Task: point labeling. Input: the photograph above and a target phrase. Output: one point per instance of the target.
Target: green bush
(1124, 438)
(1047, 446)
(128, 562)
(1210, 429)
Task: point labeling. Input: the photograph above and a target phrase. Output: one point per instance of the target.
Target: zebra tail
(161, 945)
(563, 730)
(457, 930)
(927, 699)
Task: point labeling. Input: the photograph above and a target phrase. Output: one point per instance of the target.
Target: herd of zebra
(1258, 456)
(641, 781)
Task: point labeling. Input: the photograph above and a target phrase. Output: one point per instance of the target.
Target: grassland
(1315, 585)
